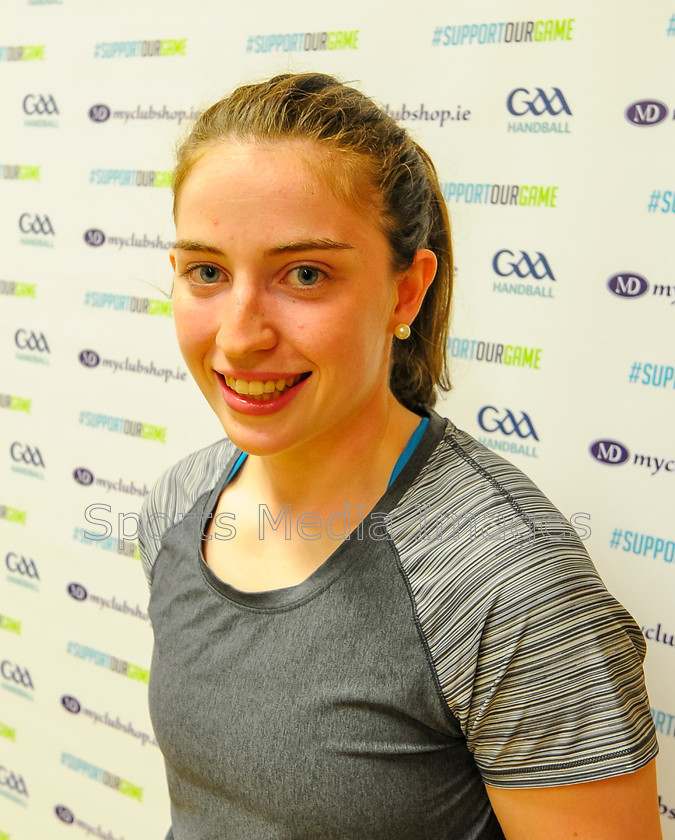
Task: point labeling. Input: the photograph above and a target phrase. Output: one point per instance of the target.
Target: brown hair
(411, 209)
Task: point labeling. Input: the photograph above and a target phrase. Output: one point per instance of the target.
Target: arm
(619, 808)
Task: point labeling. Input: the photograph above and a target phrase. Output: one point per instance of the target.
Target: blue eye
(307, 275)
(208, 273)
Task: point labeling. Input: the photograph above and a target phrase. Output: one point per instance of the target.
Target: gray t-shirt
(460, 636)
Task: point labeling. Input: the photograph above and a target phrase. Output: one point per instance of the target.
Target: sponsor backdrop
(553, 139)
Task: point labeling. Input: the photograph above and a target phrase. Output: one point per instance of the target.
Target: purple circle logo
(64, 814)
(609, 452)
(71, 704)
(83, 476)
(77, 591)
(99, 113)
(627, 284)
(94, 237)
(646, 112)
(89, 358)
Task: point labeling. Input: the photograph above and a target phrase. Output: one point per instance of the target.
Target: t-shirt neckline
(345, 553)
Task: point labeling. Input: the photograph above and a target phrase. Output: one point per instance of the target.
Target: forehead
(290, 175)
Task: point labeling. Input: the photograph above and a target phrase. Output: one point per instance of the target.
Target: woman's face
(285, 300)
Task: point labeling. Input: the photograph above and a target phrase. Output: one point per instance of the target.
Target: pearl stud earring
(402, 331)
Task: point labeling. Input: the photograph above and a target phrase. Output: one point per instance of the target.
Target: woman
(362, 629)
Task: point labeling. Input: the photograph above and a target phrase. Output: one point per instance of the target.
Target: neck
(355, 465)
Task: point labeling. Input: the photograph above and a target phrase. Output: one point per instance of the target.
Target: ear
(172, 259)
(412, 286)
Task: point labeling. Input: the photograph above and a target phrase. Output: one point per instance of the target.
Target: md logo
(89, 358)
(609, 452)
(492, 419)
(627, 285)
(99, 113)
(71, 704)
(77, 591)
(40, 105)
(26, 340)
(35, 224)
(646, 112)
(20, 565)
(64, 814)
(94, 237)
(505, 263)
(522, 101)
(83, 476)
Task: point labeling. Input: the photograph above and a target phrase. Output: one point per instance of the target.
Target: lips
(260, 397)
(263, 389)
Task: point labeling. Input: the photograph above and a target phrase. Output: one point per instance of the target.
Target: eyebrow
(319, 244)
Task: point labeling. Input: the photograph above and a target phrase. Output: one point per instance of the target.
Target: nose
(246, 325)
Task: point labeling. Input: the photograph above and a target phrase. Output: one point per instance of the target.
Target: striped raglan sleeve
(558, 694)
(174, 494)
(538, 663)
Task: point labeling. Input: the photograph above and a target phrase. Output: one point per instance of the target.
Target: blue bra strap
(404, 457)
(398, 466)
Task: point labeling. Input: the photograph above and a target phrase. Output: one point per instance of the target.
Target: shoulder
(175, 492)
(464, 485)
(528, 646)
(487, 537)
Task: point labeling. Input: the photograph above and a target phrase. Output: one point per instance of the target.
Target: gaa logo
(491, 419)
(523, 266)
(21, 565)
(25, 340)
(10, 780)
(24, 452)
(609, 452)
(77, 591)
(89, 358)
(11, 672)
(70, 704)
(83, 476)
(99, 113)
(64, 814)
(646, 112)
(94, 237)
(40, 105)
(537, 103)
(627, 285)
(36, 224)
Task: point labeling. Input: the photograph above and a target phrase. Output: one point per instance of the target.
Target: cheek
(194, 329)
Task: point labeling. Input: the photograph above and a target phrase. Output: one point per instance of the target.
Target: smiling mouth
(261, 391)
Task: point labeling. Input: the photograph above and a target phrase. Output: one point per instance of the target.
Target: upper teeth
(256, 387)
